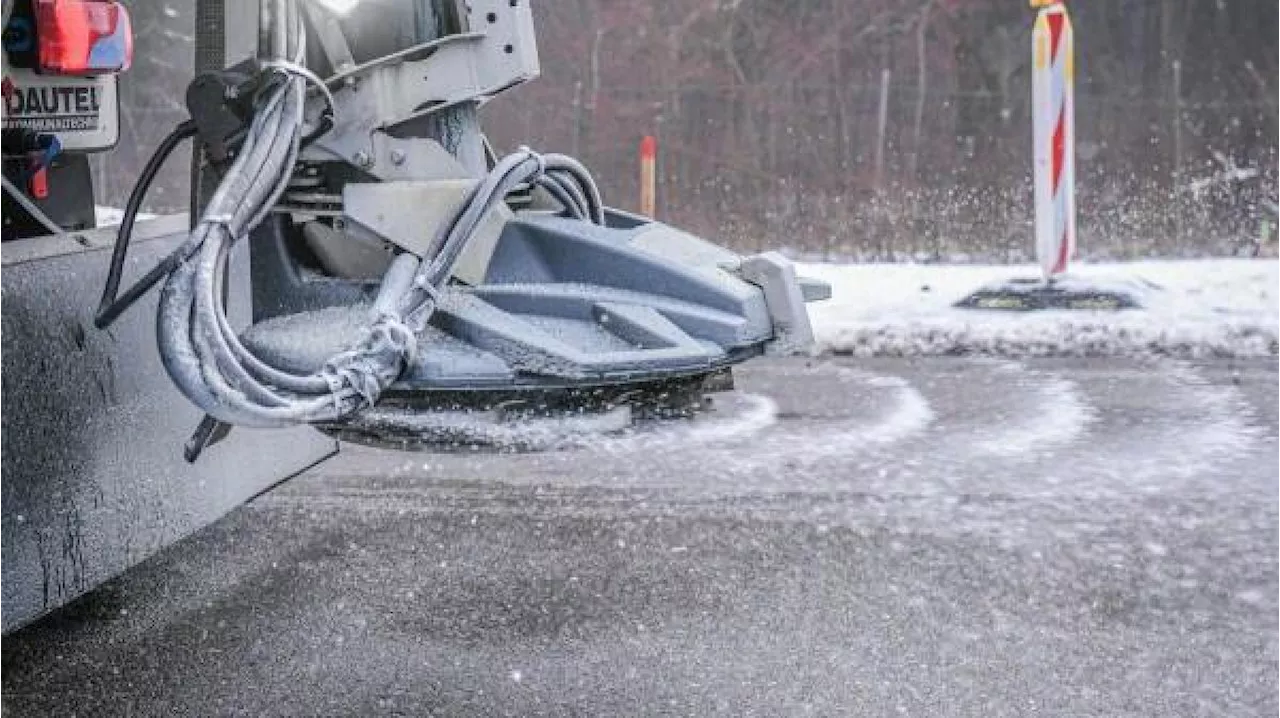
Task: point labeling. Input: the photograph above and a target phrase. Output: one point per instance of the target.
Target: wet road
(941, 537)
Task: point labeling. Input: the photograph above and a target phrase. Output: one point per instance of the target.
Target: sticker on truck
(82, 111)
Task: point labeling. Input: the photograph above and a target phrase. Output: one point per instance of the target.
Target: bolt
(363, 159)
(397, 157)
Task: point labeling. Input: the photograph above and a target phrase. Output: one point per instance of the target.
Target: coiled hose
(198, 347)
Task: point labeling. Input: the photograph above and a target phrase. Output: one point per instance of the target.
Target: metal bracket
(329, 32)
(495, 50)
(410, 215)
(776, 276)
(413, 214)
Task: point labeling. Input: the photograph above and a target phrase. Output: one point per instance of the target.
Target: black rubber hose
(112, 306)
(324, 125)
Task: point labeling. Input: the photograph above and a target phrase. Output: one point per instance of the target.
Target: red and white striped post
(1053, 120)
(648, 176)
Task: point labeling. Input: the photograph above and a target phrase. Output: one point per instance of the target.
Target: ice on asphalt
(1191, 309)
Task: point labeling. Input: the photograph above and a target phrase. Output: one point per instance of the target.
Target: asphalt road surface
(941, 537)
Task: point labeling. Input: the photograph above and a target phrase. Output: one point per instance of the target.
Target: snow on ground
(112, 216)
(1192, 309)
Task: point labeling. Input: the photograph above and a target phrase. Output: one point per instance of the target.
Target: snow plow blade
(109, 484)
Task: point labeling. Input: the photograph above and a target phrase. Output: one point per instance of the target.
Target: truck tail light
(83, 37)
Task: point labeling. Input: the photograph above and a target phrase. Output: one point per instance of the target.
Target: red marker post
(648, 176)
(1053, 120)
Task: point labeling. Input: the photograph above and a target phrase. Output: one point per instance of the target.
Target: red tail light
(83, 37)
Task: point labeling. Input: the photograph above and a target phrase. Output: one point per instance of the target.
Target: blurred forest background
(864, 129)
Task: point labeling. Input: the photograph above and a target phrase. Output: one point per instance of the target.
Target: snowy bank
(1192, 309)
(112, 216)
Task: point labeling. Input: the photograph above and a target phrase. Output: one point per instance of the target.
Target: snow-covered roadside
(112, 216)
(1192, 308)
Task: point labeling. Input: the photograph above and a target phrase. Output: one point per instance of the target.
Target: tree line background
(865, 129)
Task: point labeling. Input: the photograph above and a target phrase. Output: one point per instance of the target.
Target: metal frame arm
(495, 50)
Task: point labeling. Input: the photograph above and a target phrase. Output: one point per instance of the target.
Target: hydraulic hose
(112, 304)
(198, 346)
